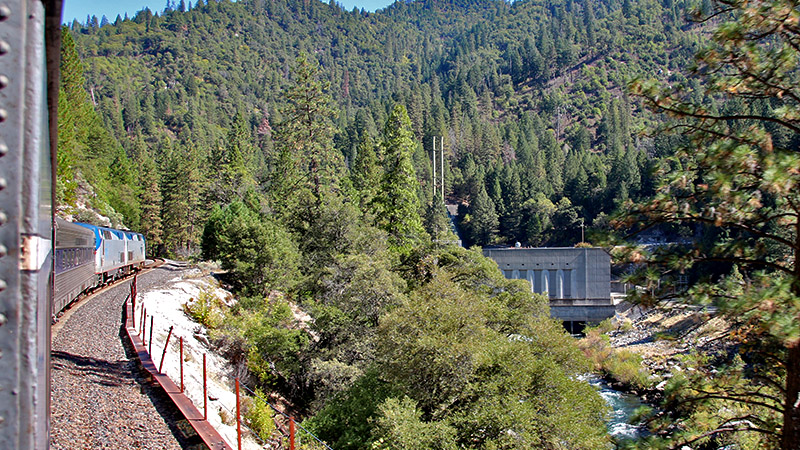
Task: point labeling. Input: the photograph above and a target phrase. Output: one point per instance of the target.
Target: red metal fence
(199, 422)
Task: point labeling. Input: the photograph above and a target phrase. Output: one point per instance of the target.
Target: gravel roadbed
(100, 399)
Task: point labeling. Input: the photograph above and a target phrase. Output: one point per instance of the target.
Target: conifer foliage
(737, 184)
(307, 158)
(396, 203)
(88, 153)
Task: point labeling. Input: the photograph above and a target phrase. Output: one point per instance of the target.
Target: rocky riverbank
(661, 335)
(641, 349)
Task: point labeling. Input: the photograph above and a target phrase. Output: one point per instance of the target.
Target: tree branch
(712, 396)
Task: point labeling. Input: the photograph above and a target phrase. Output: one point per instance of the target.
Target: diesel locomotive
(88, 256)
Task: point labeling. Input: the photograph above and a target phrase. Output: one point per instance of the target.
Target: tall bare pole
(441, 146)
(433, 153)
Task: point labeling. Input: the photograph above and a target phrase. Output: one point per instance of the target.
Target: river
(623, 406)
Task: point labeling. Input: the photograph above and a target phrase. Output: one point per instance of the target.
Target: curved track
(99, 397)
(66, 313)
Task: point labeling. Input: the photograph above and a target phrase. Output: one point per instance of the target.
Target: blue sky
(79, 9)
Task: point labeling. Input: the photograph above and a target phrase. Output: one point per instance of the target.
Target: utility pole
(441, 167)
(582, 238)
(433, 153)
(441, 146)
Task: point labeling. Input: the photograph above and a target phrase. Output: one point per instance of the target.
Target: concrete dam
(576, 280)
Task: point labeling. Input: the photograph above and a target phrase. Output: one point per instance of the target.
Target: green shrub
(618, 364)
(626, 367)
(206, 309)
(606, 326)
(258, 415)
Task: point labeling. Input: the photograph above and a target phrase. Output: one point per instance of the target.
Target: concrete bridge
(577, 280)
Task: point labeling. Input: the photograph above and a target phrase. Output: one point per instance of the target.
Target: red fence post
(133, 308)
(150, 342)
(182, 364)
(141, 323)
(133, 294)
(291, 433)
(238, 418)
(164, 353)
(205, 390)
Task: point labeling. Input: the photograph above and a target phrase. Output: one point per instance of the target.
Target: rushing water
(623, 406)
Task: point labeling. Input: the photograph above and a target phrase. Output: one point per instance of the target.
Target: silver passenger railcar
(74, 263)
(136, 249)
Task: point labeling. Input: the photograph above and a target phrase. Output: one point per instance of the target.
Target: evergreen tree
(366, 172)
(437, 222)
(589, 22)
(510, 221)
(87, 151)
(741, 186)
(396, 204)
(258, 252)
(150, 199)
(305, 138)
(181, 190)
(483, 221)
(232, 164)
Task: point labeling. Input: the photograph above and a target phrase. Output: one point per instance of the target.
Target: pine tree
(483, 219)
(512, 194)
(306, 154)
(365, 174)
(589, 22)
(181, 190)
(150, 198)
(736, 181)
(396, 204)
(233, 176)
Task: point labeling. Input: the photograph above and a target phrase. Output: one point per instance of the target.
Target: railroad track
(99, 398)
(78, 303)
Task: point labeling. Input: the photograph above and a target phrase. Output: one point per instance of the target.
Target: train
(88, 256)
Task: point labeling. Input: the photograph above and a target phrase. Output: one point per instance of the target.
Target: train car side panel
(74, 263)
(136, 254)
(111, 248)
(114, 252)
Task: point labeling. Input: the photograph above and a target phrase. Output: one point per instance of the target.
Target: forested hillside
(529, 98)
(290, 141)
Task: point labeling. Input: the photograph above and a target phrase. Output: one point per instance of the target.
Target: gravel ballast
(99, 397)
